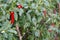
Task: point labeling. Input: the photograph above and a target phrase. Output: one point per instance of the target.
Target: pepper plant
(29, 19)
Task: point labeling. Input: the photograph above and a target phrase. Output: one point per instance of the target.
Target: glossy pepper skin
(12, 17)
(19, 6)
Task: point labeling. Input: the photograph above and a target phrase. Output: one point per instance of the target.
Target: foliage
(37, 19)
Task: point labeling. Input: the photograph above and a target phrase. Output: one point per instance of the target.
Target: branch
(19, 33)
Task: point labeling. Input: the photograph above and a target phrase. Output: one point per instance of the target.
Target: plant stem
(19, 33)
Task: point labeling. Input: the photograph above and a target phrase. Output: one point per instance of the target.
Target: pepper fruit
(19, 6)
(12, 17)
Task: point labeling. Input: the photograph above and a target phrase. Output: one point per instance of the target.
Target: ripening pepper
(19, 6)
(12, 17)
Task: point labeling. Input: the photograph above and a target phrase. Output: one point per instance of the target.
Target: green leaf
(21, 12)
(12, 31)
(37, 33)
(34, 21)
(5, 35)
(16, 16)
(28, 16)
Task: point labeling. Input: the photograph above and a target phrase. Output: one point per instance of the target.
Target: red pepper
(12, 17)
(19, 6)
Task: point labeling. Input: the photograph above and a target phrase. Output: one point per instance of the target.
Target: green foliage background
(30, 18)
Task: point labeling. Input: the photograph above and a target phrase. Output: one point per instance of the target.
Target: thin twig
(19, 33)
